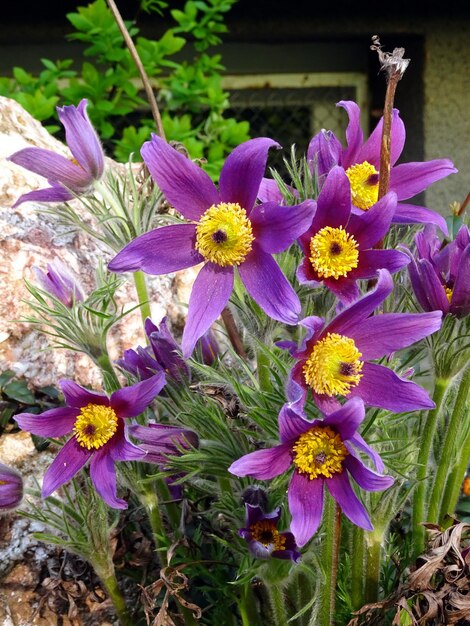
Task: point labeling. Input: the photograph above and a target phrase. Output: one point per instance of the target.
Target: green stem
(374, 553)
(142, 295)
(150, 500)
(111, 585)
(247, 606)
(278, 604)
(357, 568)
(328, 554)
(436, 512)
(263, 369)
(426, 441)
(110, 379)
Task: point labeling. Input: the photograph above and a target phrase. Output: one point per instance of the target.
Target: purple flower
(11, 488)
(68, 178)
(441, 275)
(361, 160)
(227, 230)
(60, 283)
(209, 347)
(336, 359)
(264, 540)
(322, 452)
(162, 440)
(99, 433)
(163, 354)
(338, 246)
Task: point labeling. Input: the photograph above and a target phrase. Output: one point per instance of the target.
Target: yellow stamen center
(3, 482)
(319, 452)
(95, 425)
(333, 366)
(333, 252)
(364, 179)
(224, 235)
(449, 293)
(266, 533)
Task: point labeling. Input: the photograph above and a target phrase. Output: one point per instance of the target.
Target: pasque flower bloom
(99, 433)
(338, 246)
(336, 359)
(323, 452)
(11, 487)
(361, 160)
(60, 283)
(68, 178)
(227, 230)
(440, 276)
(264, 540)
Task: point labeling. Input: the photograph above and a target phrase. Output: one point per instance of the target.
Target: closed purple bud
(324, 152)
(11, 488)
(60, 283)
(209, 347)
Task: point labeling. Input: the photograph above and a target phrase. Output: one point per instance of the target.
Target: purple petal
(435, 292)
(132, 401)
(334, 201)
(360, 444)
(210, 293)
(381, 387)
(460, 303)
(56, 193)
(411, 214)
(346, 420)
(268, 286)
(373, 225)
(52, 423)
(160, 251)
(166, 436)
(243, 171)
(277, 227)
(370, 261)
(354, 136)
(11, 487)
(370, 151)
(291, 424)
(254, 513)
(383, 334)
(324, 152)
(185, 185)
(419, 284)
(82, 139)
(347, 321)
(120, 449)
(70, 459)
(341, 490)
(306, 506)
(103, 476)
(365, 477)
(409, 179)
(77, 396)
(269, 191)
(54, 167)
(345, 289)
(263, 464)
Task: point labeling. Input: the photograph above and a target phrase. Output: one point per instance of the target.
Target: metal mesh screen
(291, 115)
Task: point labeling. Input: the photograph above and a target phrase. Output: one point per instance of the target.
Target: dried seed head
(391, 62)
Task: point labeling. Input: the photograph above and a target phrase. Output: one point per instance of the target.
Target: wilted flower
(440, 276)
(11, 488)
(339, 246)
(323, 452)
(227, 231)
(99, 433)
(264, 540)
(60, 283)
(68, 178)
(336, 359)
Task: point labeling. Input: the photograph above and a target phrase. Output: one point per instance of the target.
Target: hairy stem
(329, 551)
(111, 585)
(357, 568)
(436, 512)
(110, 379)
(233, 333)
(140, 67)
(142, 295)
(374, 553)
(150, 501)
(278, 605)
(263, 368)
(426, 441)
(247, 606)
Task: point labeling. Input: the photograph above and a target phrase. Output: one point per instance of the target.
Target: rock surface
(31, 236)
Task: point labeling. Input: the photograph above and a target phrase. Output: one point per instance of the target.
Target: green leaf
(5, 377)
(18, 390)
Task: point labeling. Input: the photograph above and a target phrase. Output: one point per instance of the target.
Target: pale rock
(31, 236)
